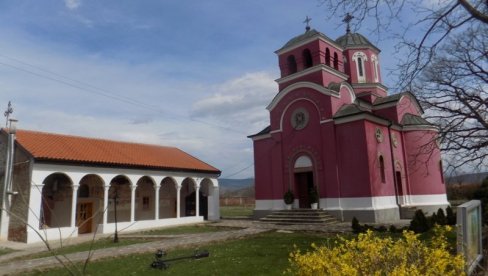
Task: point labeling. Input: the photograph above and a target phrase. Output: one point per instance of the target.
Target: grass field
(236, 211)
(4, 251)
(263, 254)
(187, 229)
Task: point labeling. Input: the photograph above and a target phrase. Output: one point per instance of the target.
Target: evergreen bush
(419, 223)
(288, 197)
(451, 217)
(356, 227)
(441, 217)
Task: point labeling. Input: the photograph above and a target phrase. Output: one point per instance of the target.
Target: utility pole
(8, 175)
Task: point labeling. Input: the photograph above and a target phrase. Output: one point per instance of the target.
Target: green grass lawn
(263, 254)
(186, 229)
(236, 211)
(4, 250)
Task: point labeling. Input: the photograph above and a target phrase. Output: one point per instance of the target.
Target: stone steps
(299, 216)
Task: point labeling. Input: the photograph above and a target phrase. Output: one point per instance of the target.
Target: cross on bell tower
(307, 22)
(347, 19)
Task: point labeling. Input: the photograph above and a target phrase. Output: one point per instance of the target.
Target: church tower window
(292, 64)
(374, 59)
(360, 67)
(307, 58)
(336, 61)
(382, 169)
(327, 57)
(359, 58)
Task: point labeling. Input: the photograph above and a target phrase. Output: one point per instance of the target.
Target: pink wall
(423, 158)
(353, 160)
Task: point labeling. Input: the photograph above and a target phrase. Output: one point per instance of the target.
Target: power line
(103, 92)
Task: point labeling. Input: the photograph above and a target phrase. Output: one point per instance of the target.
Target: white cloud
(240, 102)
(72, 4)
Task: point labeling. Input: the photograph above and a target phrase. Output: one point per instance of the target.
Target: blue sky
(196, 75)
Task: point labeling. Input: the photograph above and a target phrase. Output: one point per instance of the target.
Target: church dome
(355, 40)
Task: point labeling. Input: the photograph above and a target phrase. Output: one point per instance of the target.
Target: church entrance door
(84, 217)
(304, 183)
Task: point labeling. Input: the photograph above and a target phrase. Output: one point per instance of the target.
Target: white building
(65, 185)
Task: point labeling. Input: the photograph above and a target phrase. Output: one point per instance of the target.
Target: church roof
(411, 120)
(350, 109)
(266, 130)
(52, 147)
(354, 40)
(303, 37)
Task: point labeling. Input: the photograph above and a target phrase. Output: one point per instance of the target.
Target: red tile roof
(74, 149)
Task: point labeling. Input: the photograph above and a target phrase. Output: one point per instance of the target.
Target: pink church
(334, 128)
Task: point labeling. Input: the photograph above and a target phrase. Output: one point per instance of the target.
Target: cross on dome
(347, 19)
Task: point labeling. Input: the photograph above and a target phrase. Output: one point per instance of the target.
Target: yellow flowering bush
(370, 254)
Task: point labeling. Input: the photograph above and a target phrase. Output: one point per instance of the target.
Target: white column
(132, 202)
(105, 204)
(35, 204)
(74, 199)
(197, 200)
(156, 201)
(178, 190)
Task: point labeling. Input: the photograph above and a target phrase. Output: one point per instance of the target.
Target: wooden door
(84, 212)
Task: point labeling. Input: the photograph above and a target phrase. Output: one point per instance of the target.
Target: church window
(441, 171)
(374, 59)
(382, 169)
(336, 61)
(307, 58)
(327, 57)
(360, 67)
(360, 58)
(292, 64)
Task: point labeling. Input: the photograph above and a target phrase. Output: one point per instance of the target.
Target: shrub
(441, 217)
(450, 217)
(356, 227)
(370, 254)
(313, 195)
(419, 223)
(393, 229)
(288, 197)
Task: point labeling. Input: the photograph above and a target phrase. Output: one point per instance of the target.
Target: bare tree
(454, 90)
(443, 60)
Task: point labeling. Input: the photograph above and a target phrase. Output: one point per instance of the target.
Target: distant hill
(236, 187)
(467, 178)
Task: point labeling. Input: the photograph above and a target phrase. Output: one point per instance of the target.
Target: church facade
(335, 130)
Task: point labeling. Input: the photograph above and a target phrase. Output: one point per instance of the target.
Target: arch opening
(56, 203)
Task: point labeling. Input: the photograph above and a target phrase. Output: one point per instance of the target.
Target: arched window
(441, 171)
(360, 58)
(327, 57)
(382, 169)
(360, 67)
(336, 61)
(292, 64)
(307, 58)
(374, 59)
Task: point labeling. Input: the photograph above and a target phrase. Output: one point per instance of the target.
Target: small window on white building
(374, 59)
(145, 203)
(359, 58)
